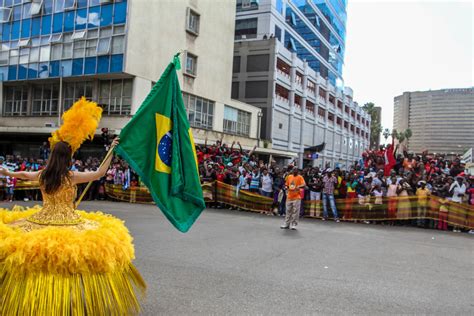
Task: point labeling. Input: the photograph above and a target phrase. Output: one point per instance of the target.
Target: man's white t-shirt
(267, 183)
(458, 189)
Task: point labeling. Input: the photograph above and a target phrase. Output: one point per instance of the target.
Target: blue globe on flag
(164, 149)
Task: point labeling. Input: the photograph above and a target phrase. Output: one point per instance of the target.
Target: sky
(393, 46)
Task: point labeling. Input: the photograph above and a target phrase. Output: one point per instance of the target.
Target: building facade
(113, 51)
(288, 60)
(441, 121)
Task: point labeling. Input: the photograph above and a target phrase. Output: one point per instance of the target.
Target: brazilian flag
(158, 144)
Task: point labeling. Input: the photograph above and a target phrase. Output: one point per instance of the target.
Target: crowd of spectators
(378, 175)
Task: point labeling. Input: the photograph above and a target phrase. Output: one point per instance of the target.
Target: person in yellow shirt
(293, 184)
(422, 193)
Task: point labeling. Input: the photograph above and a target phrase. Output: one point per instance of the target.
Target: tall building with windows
(113, 51)
(441, 121)
(288, 60)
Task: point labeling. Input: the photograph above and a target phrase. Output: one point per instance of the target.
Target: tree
(386, 133)
(408, 134)
(375, 126)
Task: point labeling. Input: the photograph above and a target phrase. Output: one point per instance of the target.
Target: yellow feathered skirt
(59, 270)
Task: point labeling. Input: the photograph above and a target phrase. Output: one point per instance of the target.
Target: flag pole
(111, 150)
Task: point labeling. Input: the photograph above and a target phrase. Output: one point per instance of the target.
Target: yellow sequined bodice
(58, 208)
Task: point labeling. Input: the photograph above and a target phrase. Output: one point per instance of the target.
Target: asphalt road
(239, 263)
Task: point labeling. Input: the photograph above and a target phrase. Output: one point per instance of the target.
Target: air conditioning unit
(49, 124)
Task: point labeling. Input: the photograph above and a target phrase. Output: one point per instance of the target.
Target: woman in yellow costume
(55, 260)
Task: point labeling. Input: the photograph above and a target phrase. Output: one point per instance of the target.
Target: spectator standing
(255, 180)
(267, 184)
(422, 193)
(44, 151)
(294, 183)
(329, 182)
(457, 192)
(392, 198)
(10, 186)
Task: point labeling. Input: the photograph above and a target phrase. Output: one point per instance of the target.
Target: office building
(288, 60)
(441, 121)
(112, 52)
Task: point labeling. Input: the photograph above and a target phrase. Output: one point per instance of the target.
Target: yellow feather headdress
(79, 124)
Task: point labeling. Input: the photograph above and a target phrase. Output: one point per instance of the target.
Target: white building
(301, 109)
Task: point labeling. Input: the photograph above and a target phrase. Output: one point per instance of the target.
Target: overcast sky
(407, 45)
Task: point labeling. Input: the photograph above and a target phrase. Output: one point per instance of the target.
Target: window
(339, 120)
(91, 47)
(4, 58)
(246, 28)
(352, 113)
(67, 50)
(55, 38)
(281, 92)
(257, 63)
(310, 107)
(311, 86)
(346, 125)
(299, 78)
(69, 4)
(358, 117)
(346, 109)
(291, 45)
(44, 53)
(322, 93)
(247, 5)
(331, 99)
(298, 100)
(200, 111)
(45, 100)
(279, 6)
(192, 19)
(283, 67)
(277, 32)
(339, 104)
(79, 47)
(103, 47)
(321, 112)
(56, 51)
(191, 64)
(24, 43)
(73, 91)
(78, 35)
(352, 128)
(235, 90)
(292, 18)
(118, 43)
(115, 96)
(35, 7)
(236, 65)
(15, 101)
(5, 14)
(330, 116)
(236, 121)
(24, 54)
(256, 89)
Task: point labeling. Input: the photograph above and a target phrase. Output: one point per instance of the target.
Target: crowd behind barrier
(382, 187)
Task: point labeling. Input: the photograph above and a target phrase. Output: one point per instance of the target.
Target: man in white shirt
(267, 184)
(458, 190)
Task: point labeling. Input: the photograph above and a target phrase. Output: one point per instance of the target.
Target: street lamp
(259, 123)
